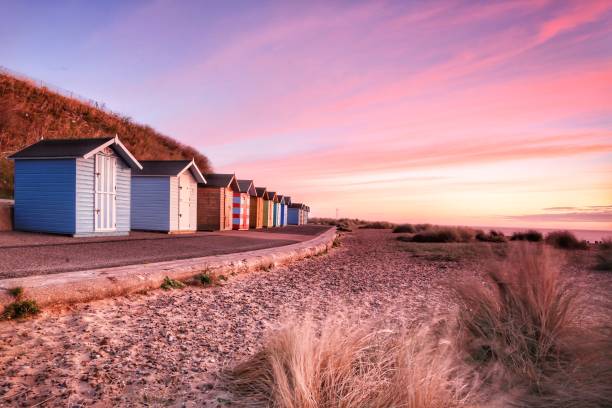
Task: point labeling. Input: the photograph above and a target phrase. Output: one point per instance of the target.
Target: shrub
(529, 235)
(492, 236)
(344, 365)
(171, 284)
(445, 234)
(16, 292)
(604, 261)
(204, 279)
(343, 228)
(606, 244)
(565, 240)
(377, 225)
(404, 228)
(20, 309)
(422, 227)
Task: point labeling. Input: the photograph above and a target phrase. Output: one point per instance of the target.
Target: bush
(529, 235)
(377, 225)
(492, 236)
(445, 234)
(565, 240)
(171, 284)
(604, 261)
(204, 279)
(16, 292)
(20, 309)
(404, 228)
(605, 244)
(344, 365)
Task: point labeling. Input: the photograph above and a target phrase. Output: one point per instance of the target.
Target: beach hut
(286, 200)
(78, 187)
(215, 202)
(276, 210)
(295, 215)
(305, 214)
(257, 208)
(268, 221)
(164, 196)
(242, 204)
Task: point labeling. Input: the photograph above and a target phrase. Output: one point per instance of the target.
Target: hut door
(184, 216)
(105, 204)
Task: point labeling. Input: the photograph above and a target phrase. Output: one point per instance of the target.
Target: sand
(166, 348)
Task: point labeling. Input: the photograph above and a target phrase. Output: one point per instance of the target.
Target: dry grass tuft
(524, 330)
(445, 234)
(529, 235)
(346, 365)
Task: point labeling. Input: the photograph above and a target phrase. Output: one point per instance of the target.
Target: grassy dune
(28, 111)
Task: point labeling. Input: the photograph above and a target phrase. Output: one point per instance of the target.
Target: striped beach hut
(215, 202)
(257, 208)
(295, 214)
(286, 200)
(78, 187)
(242, 204)
(268, 221)
(164, 196)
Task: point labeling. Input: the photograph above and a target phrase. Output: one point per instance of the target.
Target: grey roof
(247, 186)
(262, 192)
(220, 180)
(162, 167)
(296, 205)
(272, 196)
(287, 200)
(281, 198)
(57, 148)
(75, 148)
(169, 168)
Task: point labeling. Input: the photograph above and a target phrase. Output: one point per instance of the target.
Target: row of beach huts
(96, 187)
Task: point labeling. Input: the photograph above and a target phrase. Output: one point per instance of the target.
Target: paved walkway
(25, 254)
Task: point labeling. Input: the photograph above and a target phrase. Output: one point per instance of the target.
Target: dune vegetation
(29, 112)
(519, 335)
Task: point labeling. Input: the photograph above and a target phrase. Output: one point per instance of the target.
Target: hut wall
(240, 211)
(45, 192)
(211, 206)
(256, 212)
(293, 216)
(151, 203)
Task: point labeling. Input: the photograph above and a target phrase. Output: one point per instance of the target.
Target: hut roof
(247, 186)
(272, 196)
(222, 181)
(170, 168)
(296, 205)
(75, 148)
(262, 192)
(288, 200)
(281, 199)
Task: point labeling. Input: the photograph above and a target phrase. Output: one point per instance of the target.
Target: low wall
(82, 286)
(6, 215)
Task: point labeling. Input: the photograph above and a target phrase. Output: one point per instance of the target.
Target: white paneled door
(184, 216)
(105, 215)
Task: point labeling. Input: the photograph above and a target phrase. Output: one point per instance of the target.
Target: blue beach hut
(294, 216)
(78, 187)
(165, 196)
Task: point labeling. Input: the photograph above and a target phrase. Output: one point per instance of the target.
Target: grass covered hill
(28, 111)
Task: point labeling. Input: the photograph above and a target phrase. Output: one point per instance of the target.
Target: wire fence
(59, 90)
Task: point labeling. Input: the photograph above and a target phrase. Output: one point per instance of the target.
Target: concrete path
(85, 285)
(26, 254)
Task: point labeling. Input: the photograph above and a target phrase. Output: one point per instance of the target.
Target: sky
(450, 112)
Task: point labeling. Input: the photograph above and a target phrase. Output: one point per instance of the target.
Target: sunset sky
(473, 113)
